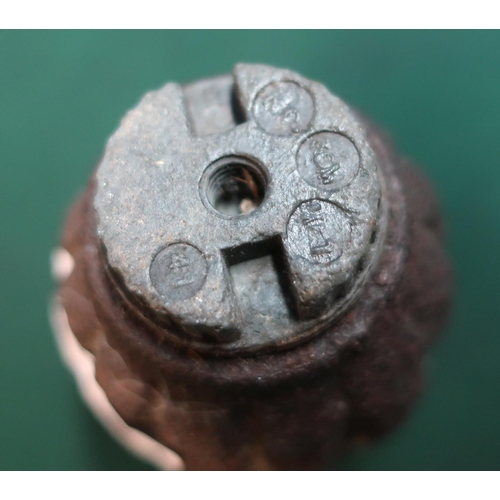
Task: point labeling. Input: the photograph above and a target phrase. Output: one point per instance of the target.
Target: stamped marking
(328, 161)
(283, 108)
(318, 231)
(313, 220)
(178, 271)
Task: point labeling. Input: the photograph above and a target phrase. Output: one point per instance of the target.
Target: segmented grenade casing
(257, 272)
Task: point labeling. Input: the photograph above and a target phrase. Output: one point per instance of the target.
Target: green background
(62, 94)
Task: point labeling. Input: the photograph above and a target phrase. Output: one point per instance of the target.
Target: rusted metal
(257, 272)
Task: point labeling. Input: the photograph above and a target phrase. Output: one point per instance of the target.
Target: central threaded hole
(235, 185)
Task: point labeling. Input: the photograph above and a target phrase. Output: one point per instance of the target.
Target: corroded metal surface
(320, 215)
(263, 265)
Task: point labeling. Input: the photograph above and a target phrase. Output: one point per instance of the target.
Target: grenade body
(225, 390)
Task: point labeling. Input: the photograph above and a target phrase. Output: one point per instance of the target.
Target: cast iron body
(257, 272)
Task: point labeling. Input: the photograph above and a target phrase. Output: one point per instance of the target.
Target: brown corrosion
(295, 409)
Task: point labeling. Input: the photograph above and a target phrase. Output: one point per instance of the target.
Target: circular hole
(234, 185)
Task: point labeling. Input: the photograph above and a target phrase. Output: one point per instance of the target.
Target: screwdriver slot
(261, 284)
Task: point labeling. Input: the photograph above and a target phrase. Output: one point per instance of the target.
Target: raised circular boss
(201, 227)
